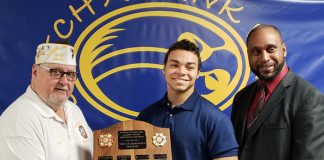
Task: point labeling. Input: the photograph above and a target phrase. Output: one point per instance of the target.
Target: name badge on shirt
(82, 131)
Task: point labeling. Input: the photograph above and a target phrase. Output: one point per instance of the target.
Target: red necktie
(256, 109)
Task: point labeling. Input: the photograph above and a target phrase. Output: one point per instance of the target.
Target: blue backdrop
(121, 44)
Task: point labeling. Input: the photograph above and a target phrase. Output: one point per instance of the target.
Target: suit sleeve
(308, 129)
(234, 107)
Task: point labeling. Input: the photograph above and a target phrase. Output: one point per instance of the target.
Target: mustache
(267, 64)
(62, 88)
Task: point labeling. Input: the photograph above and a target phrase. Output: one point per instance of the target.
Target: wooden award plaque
(132, 140)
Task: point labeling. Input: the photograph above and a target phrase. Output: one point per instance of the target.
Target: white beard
(53, 101)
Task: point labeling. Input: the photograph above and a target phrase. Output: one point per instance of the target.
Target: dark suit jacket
(290, 126)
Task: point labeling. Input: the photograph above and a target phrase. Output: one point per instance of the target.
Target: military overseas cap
(55, 53)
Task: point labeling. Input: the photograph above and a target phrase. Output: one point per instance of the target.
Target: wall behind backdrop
(120, 47)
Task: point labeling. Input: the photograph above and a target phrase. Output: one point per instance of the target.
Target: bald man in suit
(290, 123)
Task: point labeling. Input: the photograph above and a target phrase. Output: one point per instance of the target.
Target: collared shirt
(29, 129)
(269, 88)
(199, 131)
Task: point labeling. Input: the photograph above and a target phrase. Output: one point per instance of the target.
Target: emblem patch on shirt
(159, 139)
(83, 132)
(105, 140)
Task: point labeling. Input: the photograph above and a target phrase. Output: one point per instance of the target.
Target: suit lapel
(272, 103)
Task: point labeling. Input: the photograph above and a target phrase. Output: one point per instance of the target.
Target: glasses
(58, 74)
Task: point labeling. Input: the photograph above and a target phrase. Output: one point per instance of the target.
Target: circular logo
(121, 56)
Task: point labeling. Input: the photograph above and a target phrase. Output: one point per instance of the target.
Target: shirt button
(170, 115)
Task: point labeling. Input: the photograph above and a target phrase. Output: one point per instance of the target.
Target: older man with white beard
(42, 123)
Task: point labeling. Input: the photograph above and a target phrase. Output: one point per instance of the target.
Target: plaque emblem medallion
(105, 140)
(159, 139)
